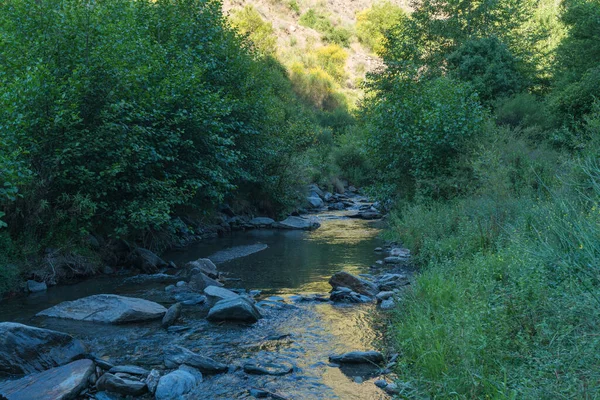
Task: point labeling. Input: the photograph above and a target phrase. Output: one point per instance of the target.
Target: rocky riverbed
(267, 313)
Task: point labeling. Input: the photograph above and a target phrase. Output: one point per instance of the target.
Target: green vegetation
(120, 115)
(321, 23)
(373, 23)
(249, 22)
(484, 128)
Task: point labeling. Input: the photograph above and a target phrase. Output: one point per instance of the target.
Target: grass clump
(322, 24)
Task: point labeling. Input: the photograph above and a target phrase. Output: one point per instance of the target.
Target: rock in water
(25, 349)
(115, 384)
(60, 383)
(262, 222)
(274, 369)
(235, 309)
(107, 308)
(171, 315)
(356, 284)
(204, 265)
(175, 385)
(33, 286)
(298, 223)
(147, 261)
(358, 357)
(215, 294)
(200, 282)
(315, 201)
(176, 356)
(152, 380)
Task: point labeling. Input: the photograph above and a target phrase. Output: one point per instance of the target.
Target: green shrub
(373, 23)
(249, 22)
(523, 109)
(489, 66)
(418, 132)
(321, 23)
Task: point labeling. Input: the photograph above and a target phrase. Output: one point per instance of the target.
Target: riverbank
(506, 301)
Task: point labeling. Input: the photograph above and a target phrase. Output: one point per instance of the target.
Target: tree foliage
(128, 111)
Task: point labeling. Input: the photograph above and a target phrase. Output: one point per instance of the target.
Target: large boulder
(176, 385)
(315, 201)
(107, 308)
(299, 223)
(215, 294)
(315, 190)
(234, 309)
(34, 286)
(200, 281)
(25, 349)
(356, 284)
(60, 383)
(176, 356)
(204, 265)
(147, 261)
(116, 384)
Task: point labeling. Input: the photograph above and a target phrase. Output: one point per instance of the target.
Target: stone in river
(215, 294)
(34, 286)
(298, 223)
(129, 369)
(358, 357)
(234, 309)
(171, 315)
(201, 281)
(388, 304)
(107, 308)
(60, 383)
(262, 222)
(358, 285)
(204, 265)
(175, 385)
(275, 369)
(178, 355)
(115, 384)
(26, 349)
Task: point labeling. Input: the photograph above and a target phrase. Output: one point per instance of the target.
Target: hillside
(295, 40)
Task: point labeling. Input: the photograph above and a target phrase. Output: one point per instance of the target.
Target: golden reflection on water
(343, 231)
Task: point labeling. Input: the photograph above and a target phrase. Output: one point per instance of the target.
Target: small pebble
(181, 283)
(381, 383)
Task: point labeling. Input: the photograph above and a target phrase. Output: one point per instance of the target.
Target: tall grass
(508, 302)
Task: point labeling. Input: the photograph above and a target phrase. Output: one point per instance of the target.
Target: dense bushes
(505, 224)
(321, 23)
(418, 132)
(373, 23)
(127, 112)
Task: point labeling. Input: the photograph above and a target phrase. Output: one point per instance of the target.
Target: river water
(301, 333)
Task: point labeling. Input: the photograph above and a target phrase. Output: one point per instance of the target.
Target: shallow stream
(302, 333)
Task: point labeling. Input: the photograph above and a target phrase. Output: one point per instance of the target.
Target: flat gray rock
(299, 223)
(215, 294)
(236, 252)
(262, 222)
(235, 309)
(205, 266)
(176, 356)
(268, 368)
(171, 315)
(116, 384)
(26, 349)
(60, 383)
(107, 308)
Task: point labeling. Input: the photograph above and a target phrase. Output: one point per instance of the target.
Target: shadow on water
(303, 334)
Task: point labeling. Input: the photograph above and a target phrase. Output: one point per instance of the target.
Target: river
(301, 333)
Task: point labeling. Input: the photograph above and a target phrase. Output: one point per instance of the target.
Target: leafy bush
(249, 22)
(163, 109)
(419, 130)
(321, 23)
(489, 66)
(373, 23)
(332, 59)
(523, 109)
